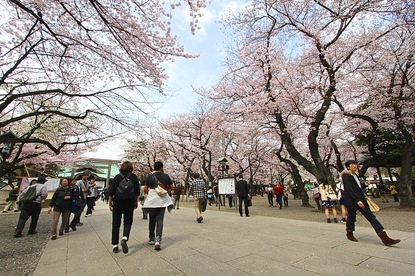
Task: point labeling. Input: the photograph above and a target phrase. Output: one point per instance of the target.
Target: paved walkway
(226, 244)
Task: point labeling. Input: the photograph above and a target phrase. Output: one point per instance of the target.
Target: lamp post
(223, 167)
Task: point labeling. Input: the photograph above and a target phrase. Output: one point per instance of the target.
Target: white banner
(226, 186)
(52, 183)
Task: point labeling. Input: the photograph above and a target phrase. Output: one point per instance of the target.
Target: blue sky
(203, 71)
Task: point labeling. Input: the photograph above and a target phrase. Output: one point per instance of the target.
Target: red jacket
(278, 190)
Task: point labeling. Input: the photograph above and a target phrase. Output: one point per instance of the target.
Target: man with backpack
(31, 198)
(123, 199)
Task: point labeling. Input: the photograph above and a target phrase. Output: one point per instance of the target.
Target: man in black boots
(355, 201)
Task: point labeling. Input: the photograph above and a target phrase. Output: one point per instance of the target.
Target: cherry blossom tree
(294, 61)
(92, 64)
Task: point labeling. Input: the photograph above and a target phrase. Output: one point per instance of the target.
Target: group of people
(123, 198)
(71, 197)
(124, 195)
(202, 195)
(280, 193)
(352, 198)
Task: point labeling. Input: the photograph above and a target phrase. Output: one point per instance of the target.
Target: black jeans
(243, 200)
(28, 210)
(155, 226)
(351, 219)
(117, 214)
(90, 202)
(270, 199)
(80, 210)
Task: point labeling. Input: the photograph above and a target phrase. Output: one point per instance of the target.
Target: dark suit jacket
(352, 192)
(242, 188)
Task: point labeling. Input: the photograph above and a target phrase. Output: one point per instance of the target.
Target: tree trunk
(380, 176)
(405, 179)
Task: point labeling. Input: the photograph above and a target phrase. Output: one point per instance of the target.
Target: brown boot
(349, 235)
(386, 240)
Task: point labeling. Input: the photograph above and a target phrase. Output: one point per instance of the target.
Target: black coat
(58, 202)
(112, 191)
(353, 192)
(242, 188)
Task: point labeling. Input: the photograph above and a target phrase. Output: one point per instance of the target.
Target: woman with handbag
(316, 196)
(156, 203)
(329, 201)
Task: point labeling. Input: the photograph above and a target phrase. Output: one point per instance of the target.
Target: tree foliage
(77, 72)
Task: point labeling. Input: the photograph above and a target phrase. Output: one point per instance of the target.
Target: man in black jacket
(355, 201)
(242, 189)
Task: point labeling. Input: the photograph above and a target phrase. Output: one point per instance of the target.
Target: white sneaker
(157, 246)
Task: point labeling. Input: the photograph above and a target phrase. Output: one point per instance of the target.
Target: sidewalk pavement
(226, 244)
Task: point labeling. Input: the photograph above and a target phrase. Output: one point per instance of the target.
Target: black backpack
(125, 189)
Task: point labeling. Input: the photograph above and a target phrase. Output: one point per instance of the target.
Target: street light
(223, 167)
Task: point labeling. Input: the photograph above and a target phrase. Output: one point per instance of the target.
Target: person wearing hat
(11, 204)
(32, 209)
(355, 201)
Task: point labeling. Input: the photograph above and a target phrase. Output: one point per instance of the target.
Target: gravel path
(19, 256)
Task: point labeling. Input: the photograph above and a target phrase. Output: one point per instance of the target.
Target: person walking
(75, 206)
(328, 201)
(142, 199)
(155, 204)
(270, 195)
(242, 190)
(355, 201)
(218, 200)
(12, 199)
(210, 195)
(91, 197)
(61, 202)
(177, 192)
(285, 198)
(340, 191)
(383, 195)
(83, 188)
(198, 189)
(31, 209)
(316, 196)
(394, 192)
(279, 192)
(123, 197)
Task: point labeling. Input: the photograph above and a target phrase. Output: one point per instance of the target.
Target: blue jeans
(351, 219)
(279, 200)
(156, 223)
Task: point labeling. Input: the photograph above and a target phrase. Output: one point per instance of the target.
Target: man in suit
(355, 201)
(242, 190)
